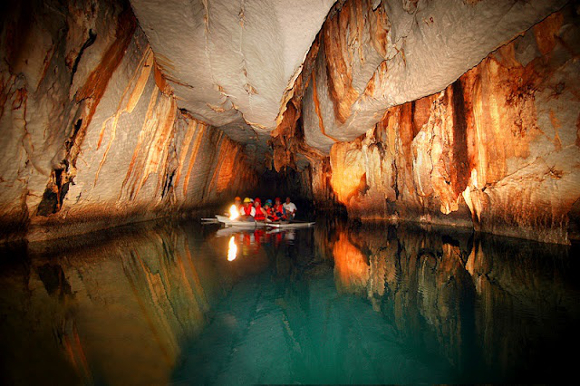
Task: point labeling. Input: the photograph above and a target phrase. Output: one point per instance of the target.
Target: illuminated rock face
(238, 65)
(91, 132)
(497, 150)
(232, 61)
(376, 55)
(106, 110)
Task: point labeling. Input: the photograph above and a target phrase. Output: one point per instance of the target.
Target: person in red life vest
(261, 213)
(279, 209)
(270, 213)
(247, 212)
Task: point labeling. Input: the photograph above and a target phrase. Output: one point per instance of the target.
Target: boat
(239, 224)
(291, 224)
(256, 224)
(209, 220)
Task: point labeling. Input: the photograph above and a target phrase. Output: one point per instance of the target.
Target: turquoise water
(340, 303)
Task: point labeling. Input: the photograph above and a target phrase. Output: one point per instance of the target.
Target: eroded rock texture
(497, 149)
(91, 132)
(375, 55)
(232, 62)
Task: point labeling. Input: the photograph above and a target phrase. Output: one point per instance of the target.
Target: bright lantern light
(234, 214)
(232, 249)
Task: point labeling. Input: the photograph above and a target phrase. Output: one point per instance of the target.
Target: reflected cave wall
(113, 307)
(447, 282)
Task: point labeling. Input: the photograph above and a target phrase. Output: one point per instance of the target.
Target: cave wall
(374, 55)
(496, 150)
(248, 53)
(91, 132)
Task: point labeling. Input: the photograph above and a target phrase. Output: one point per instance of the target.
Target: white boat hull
(290, 225)
(255, 224)
(240, 224)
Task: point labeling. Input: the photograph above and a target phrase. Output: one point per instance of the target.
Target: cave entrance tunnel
(282, 184)
(289, 182)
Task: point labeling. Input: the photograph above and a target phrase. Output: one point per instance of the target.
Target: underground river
(185, 303)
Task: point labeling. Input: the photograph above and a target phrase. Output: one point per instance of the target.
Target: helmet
(247, 199)
(258, 200)
(268, 202)
(237, 199)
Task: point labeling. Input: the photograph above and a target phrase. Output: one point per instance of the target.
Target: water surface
(166, 303)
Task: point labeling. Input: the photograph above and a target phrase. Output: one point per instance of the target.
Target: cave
(456, 114)
(406, 116)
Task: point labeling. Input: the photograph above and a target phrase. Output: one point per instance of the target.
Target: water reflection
(113, 309)
(497, 309)
(171, 303)
(232, 249)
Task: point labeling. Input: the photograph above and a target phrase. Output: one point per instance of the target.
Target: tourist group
(252, 210)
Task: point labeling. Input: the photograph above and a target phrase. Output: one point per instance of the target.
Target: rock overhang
(230, 63)
(234, 65)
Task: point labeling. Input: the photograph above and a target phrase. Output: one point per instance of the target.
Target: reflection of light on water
(232, 249)
(290, 235)
(234, 213)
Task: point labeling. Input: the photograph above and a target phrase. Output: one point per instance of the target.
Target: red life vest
(272, 214)
(248, 210)
(279, 209)
(259, 216)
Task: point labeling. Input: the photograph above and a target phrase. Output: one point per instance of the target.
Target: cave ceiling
(230, 62)
(233, 64)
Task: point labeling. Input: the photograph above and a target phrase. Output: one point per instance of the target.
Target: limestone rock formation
(92, 134)
(495, 150)
(373, 57)
(498, 148)
(231, 62)
(457, 112)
